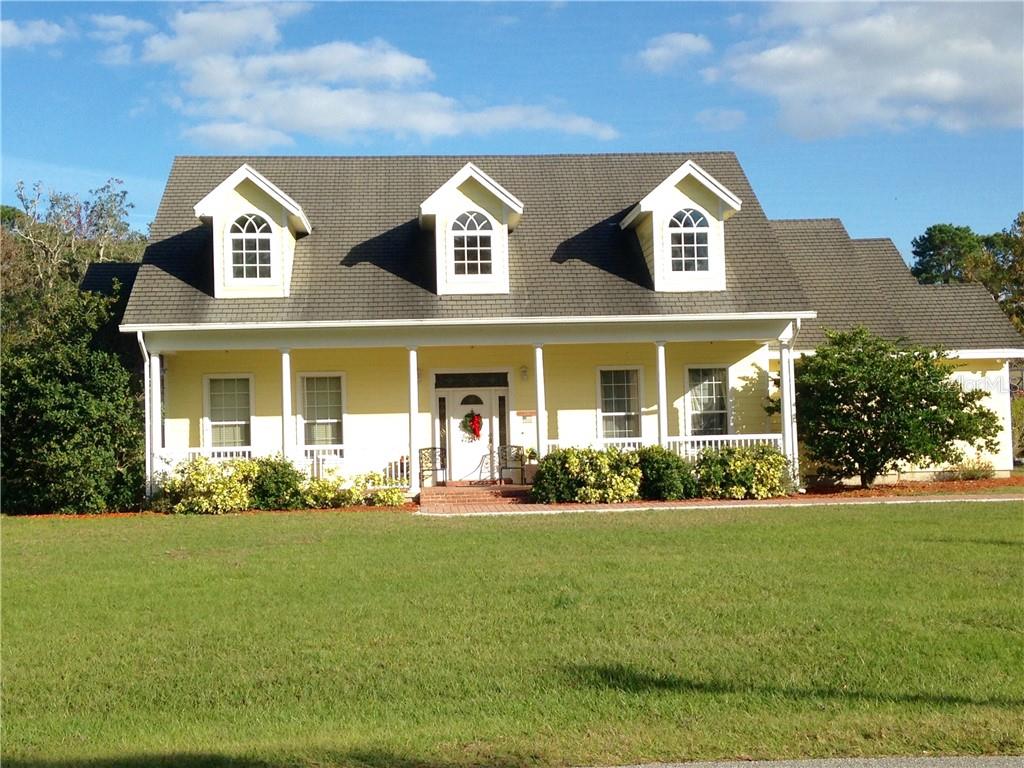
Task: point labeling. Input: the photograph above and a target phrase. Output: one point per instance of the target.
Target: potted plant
(529, 465)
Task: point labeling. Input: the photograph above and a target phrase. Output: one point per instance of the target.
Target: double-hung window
(708, 400)
(230, 412)
(322, 410)
(620, 403)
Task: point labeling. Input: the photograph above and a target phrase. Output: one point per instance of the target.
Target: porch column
(287, 421)
(786, 390)
(662, 396)
(542, 410)
(793, 437)
(156, 438)
(414, 410)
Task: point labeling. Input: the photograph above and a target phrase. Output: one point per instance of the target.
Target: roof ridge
(799, 221)
(719, 152)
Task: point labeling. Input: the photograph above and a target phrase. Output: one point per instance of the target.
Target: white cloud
(238, 136)
(119, 55)
(840, 68)
(29, 34)
(666, 51)
(218, 29)
(720, 119)
(245, 92)
(115, 28)
(341, 62)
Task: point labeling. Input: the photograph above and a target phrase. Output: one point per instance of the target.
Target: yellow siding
(376, 396)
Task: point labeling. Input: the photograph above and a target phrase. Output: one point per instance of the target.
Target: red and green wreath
(471, 424)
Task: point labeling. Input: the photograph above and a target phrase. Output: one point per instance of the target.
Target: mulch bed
(917, 488)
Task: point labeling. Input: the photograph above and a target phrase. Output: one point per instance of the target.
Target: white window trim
(687, 408)
(206, 433)
(275, 253)
(599, 425)
(668, 280)
(299, 405)
(492, 283)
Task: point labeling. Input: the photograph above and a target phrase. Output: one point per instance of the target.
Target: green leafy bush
(755, 472)
(71, 412)
(970, 469)
(665, 476)
(202, 487)
(320, 493)
(587, 475)
(274, 482)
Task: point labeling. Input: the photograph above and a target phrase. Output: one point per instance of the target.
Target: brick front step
(475, 495)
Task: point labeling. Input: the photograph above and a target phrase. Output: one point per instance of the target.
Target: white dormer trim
(430, 207)
(246, 192)
(454, 198)
(651, 219)
(209, 205)
(731, 204)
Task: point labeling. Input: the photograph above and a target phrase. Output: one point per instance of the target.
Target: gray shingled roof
(367, 258)
(865, 282)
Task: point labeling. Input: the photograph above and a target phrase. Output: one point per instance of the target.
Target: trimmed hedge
(202, 487)
(656, 474)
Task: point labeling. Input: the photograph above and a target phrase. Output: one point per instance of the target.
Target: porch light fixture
(524, 372)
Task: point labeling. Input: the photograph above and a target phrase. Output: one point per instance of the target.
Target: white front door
(471, 457)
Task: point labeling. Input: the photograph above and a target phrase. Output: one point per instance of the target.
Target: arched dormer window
(250, 247)
(688, 231)
(471, 244)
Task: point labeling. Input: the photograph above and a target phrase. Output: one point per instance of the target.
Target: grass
(258, 641)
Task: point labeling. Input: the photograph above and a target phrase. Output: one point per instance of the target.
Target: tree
(953, 254)
(70, 407)
(947, 254)
(1006, 249)
(71, 413)
(865, 404)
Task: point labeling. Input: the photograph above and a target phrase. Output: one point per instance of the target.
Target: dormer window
(688, 240)
(680, 225)
(250, 248)
(255, 227)
(471, 244)
(471, 216)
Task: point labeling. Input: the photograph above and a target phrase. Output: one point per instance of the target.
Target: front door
(471, 445)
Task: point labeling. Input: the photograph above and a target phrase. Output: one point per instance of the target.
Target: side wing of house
(875, 289)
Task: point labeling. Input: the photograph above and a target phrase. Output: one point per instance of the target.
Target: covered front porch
(465, 404)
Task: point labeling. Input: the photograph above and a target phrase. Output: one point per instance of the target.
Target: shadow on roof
(187, 256)
(406, 251)
(608, 248)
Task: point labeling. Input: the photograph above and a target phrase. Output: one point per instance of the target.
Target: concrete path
(501, 510)
(859, 762)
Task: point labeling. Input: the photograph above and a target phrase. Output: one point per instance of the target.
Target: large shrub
(587, 475)
(71, 414)
(202, 487)
(755, 472)
(1017, 424)
(274, 482)
(664, 475)
(865, 405)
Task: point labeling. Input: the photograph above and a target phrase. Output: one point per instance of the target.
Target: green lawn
(379, 639)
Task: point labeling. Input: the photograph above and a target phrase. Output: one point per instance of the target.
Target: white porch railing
(319, 460)
(168, 459)
(687, 447)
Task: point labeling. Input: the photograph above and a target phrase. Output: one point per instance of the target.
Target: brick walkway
(450, 505)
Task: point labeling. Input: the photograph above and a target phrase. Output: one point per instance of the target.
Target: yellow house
(434, 318)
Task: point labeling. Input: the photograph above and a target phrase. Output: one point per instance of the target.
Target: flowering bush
(201, 487)
(755, 472)
(587, 475)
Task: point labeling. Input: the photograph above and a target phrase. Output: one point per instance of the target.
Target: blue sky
(889, 116)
